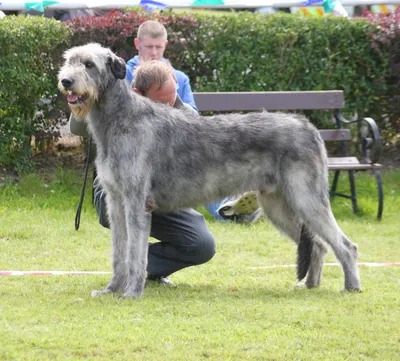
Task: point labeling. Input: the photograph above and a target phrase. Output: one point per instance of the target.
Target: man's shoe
(245, 204)
(249, 218)
(165, 281)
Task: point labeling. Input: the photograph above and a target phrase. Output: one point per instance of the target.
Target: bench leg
(353, 191)
(334, 183)
(380, 193)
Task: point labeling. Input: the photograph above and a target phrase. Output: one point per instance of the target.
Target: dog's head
(86, 74)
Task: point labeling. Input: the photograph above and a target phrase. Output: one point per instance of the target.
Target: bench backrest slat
(255, 101)
(335, 134)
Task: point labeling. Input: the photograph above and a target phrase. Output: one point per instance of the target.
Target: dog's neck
(121, 93)
(103, 113)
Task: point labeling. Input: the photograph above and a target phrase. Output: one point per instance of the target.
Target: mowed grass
(228, 309)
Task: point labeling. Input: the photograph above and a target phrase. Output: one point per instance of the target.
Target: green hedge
(30, 48)
(389, 24)
(256, 52)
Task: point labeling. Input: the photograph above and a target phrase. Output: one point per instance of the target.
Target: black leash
(78, 211)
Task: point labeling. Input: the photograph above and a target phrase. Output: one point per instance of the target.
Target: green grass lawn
(228, 309)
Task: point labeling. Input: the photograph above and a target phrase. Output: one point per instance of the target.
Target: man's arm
(77, 127)
(184, 90)
(179, 104)
(129, 73)
(130, 67)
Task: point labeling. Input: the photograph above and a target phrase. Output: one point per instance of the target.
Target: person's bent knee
(205, 248)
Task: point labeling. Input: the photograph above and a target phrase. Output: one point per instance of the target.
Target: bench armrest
(370, 140)
(369, 136)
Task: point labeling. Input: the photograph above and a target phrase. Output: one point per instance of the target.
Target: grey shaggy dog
(150, 156)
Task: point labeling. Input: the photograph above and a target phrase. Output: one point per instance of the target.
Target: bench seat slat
(350, 163)
(335, 134)
(343, 160)
(282, 100)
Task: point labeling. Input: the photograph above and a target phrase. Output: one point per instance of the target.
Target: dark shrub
(30, 48)
(389, 37)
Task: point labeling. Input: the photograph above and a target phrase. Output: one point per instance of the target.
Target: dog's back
(193, 159)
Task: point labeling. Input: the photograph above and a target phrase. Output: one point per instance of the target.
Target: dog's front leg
(116, 214)
(138, 222)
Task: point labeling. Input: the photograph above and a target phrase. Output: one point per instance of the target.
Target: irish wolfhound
(152, 155)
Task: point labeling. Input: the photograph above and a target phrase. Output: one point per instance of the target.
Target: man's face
(165, 95)
(150, 48)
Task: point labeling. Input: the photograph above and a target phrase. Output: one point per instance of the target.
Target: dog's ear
(117, 66)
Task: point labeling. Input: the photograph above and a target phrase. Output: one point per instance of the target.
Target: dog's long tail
(304, 251)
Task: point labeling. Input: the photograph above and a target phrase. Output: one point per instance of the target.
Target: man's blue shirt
(183, 84)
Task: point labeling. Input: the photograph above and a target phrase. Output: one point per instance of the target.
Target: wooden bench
(368, 132)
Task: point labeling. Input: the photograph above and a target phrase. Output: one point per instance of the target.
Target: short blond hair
(152, 28)
(152, 72)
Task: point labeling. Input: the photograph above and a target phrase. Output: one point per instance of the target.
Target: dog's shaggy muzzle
(72, 97)
(176, 159)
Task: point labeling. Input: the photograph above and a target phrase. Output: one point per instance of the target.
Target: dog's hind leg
(345, 251)
(310, 251)
(314, 274)
(119, 236)
(281, 215)
(308, 196)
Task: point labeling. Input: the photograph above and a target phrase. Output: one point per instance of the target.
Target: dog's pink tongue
(72, 98)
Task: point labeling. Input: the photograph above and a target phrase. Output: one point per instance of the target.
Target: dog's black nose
(66, 82)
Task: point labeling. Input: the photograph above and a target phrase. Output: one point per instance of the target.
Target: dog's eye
(89, 64)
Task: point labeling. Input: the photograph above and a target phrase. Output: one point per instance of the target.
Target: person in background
(151, 42)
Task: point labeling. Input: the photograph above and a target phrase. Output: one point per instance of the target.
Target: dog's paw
(129, 295)
(352, 290)
(96, 293)
(133, 292)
